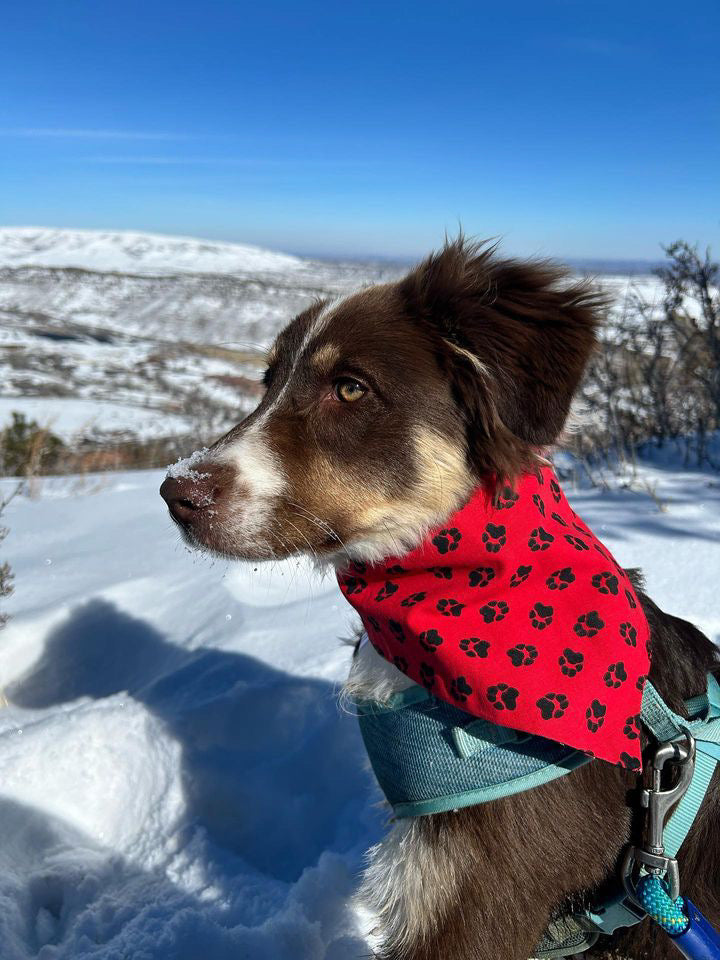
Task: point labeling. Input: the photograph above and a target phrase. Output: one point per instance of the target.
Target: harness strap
(704, 724)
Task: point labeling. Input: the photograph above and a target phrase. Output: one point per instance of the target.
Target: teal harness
(430, 757)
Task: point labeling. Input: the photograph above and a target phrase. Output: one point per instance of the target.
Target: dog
(384, 410)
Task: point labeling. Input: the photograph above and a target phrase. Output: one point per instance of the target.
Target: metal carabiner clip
(658, 803)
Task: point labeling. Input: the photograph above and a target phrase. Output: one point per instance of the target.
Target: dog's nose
(187, 496)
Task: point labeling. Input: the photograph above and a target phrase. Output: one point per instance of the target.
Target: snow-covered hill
(177, 779)
(152, 335)
(135, 253)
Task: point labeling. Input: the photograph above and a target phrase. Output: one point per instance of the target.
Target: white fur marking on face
(259, 475)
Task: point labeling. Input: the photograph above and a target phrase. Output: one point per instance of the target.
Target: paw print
(571, 663)
(580, 528)
(615, 675)
(560, 579)
(427, 676)
(397, 630)
(447, 540)
(353, 585)
(481, 576)
(558, 519)
(450, 608)
(576, 542)
(373, 622)
(494, 537)
(495, 611)
(442, 573)
(606, 582)
(506, 499)
(541, 616)
(632, 727)
(595, 716)
(386, 591)
(460, 689)
(555, 490)
(540, 539)
(413, 599)
(474, 647)
(629, 634)
(430, 640)
(502, 696)
(522, 654)
(396, 569)
(628, 762)
(520, 575)
(357, 566)
(640, 682)
(588, 624)
(401, 663)
(631, 600)
(539, 503)
(552, 705)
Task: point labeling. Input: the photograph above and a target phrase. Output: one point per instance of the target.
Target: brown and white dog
(383, 411)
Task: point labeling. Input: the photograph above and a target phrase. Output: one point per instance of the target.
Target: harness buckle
(658, 802)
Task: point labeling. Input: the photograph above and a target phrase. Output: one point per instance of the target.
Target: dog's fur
(465, 372)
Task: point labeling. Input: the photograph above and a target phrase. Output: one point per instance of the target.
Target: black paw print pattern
(447, 540)
(460, 689)
(541, 616)
(577, 542)
(413, 599)
(641, 681)
(430, 640)
(632, 727)
(358, 566)
(481, 576)
(595, 716)
(427, 676)
(386, 591)
(571, 662)
(520, 575)
(373, 623)
(630, 599)
(495, 611)
(474, 647)
(540, 539)
(442, 573)
(502, 696)
(539, 503)
(629, 634)
(354, 585)
(606, 582)
(628, 762)
(553, 705)
(392, 571)
(589, 624)
(522, 655)
(494, 537)
(506, 499)
(397, 630)
(615, 675)
(401, 663)
(450, 607)
(555, 490)
(558, 519)
(560, 579)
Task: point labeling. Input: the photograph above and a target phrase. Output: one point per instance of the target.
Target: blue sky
(567, 127)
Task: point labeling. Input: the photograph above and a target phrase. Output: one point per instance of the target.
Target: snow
(177, 777)
(134, 253)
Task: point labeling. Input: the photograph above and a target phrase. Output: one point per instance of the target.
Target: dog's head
(384, 409)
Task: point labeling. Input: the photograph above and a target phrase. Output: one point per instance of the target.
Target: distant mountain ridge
(133, 252)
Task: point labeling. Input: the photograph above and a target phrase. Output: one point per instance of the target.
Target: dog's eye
(349, 390)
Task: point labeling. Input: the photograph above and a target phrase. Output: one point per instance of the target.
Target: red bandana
(517, 613)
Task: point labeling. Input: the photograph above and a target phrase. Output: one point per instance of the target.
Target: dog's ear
(524, 332)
